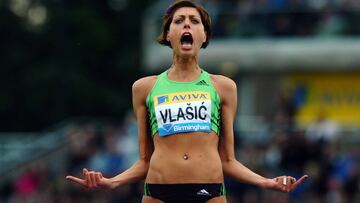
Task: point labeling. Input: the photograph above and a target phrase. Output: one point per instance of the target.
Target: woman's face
(186, 32)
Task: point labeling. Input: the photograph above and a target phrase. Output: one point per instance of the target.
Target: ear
(167, 36)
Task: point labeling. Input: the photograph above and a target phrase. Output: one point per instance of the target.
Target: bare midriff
(185, 158)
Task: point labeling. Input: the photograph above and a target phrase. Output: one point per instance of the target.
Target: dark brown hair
(168, 17)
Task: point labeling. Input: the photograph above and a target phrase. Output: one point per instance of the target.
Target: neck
(185, 63)
(184, 69)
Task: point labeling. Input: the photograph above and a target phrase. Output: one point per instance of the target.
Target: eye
(177, 21)
(195, 21)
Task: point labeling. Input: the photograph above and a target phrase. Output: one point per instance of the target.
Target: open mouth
(186, 41)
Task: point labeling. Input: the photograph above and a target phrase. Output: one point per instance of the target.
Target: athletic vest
(180, 107)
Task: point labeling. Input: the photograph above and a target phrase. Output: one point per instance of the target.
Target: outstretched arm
(231, 166)
(138, 171)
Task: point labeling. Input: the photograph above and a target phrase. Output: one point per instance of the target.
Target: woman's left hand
(284, 183)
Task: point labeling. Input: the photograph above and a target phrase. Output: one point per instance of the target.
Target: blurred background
(66, 70)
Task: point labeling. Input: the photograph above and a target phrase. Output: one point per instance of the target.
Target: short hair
(168, 17)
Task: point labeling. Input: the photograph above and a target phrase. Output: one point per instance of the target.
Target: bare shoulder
(223, 83)
(142, 86)
(145, 82)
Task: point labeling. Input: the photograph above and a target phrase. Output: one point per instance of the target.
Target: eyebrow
(191, 16)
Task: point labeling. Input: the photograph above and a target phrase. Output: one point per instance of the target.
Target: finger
(77, 180)
(279, 180)
(85, 171)
(290, 180)
(98, 178)
(287, 182)
(300, 181)
(87, 178)
(93, 179)
(285, 188)
(284, 180)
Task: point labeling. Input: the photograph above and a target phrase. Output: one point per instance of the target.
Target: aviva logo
(162, 99)
(181, 97)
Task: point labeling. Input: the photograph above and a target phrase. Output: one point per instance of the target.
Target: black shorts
(184, 193)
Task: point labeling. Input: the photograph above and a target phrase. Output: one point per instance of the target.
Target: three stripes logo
(202, 82)
(203, 192)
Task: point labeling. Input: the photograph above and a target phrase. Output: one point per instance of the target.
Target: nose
(187, 23)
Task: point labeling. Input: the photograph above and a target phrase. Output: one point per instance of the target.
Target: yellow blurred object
(335, 96)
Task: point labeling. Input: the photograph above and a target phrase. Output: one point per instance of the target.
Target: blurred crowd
(284, 18)
(103, 146)
(322, 150)
(325, 150)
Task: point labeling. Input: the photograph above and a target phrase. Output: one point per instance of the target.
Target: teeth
(186, 46)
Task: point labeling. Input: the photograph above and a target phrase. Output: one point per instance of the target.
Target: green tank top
(179, 107)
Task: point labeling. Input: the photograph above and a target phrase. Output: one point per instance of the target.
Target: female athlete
(190, 114)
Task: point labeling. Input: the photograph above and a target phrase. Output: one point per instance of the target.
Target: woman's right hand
(91, 180)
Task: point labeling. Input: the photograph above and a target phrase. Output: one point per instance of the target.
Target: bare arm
(231, 166)
(138, 170)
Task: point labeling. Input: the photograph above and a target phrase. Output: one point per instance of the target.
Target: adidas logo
(203, 192)
(202, 82)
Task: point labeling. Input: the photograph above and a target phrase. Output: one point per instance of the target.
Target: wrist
(265, 183)
(112, 183)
